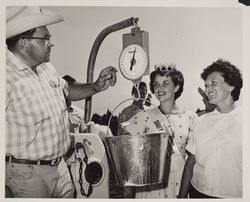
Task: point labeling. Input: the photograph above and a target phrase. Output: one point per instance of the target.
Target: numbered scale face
(133, 62)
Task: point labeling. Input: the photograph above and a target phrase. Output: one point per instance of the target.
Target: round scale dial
(133, 62)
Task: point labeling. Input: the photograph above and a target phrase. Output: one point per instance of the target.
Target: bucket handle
(165, 126)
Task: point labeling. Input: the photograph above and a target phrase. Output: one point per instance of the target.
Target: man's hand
(79, 91)
(208, 106)
(106, 78)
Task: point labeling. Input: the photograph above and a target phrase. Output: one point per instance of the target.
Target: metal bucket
(138, 160)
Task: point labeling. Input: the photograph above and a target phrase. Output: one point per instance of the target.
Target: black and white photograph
(124, 100)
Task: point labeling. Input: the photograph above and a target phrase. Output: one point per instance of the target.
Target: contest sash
(162, 123)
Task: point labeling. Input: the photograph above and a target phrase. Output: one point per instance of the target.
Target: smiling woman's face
(164, 88)
(216, 89)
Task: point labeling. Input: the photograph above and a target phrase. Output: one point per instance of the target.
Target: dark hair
(141, 85)
(12, 41)
(168, 71)
(231, 74)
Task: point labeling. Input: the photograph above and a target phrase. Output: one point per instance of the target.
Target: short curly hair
(168, 71)
(231, 74)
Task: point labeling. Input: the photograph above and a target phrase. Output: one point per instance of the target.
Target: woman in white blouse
(214, 166)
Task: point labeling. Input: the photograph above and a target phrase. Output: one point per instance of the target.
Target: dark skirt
(194, 193)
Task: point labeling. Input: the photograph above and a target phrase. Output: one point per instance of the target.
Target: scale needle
(132, 62)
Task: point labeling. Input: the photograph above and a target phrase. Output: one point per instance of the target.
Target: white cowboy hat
(23, 18)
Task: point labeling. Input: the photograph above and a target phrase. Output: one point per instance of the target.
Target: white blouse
(217, 146)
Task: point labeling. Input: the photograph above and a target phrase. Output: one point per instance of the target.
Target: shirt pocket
(59, 97)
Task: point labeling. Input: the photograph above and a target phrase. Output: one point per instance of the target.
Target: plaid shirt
(37, 124)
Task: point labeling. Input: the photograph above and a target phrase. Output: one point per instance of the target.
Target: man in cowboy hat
(37, 132)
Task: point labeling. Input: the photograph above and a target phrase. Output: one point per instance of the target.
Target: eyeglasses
(45, 39)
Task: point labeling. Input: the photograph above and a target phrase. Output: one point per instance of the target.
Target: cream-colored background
(191, 34)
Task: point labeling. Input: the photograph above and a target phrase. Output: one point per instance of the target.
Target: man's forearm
(79, 91)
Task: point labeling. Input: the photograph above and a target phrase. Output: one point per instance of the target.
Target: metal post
(93, 54)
